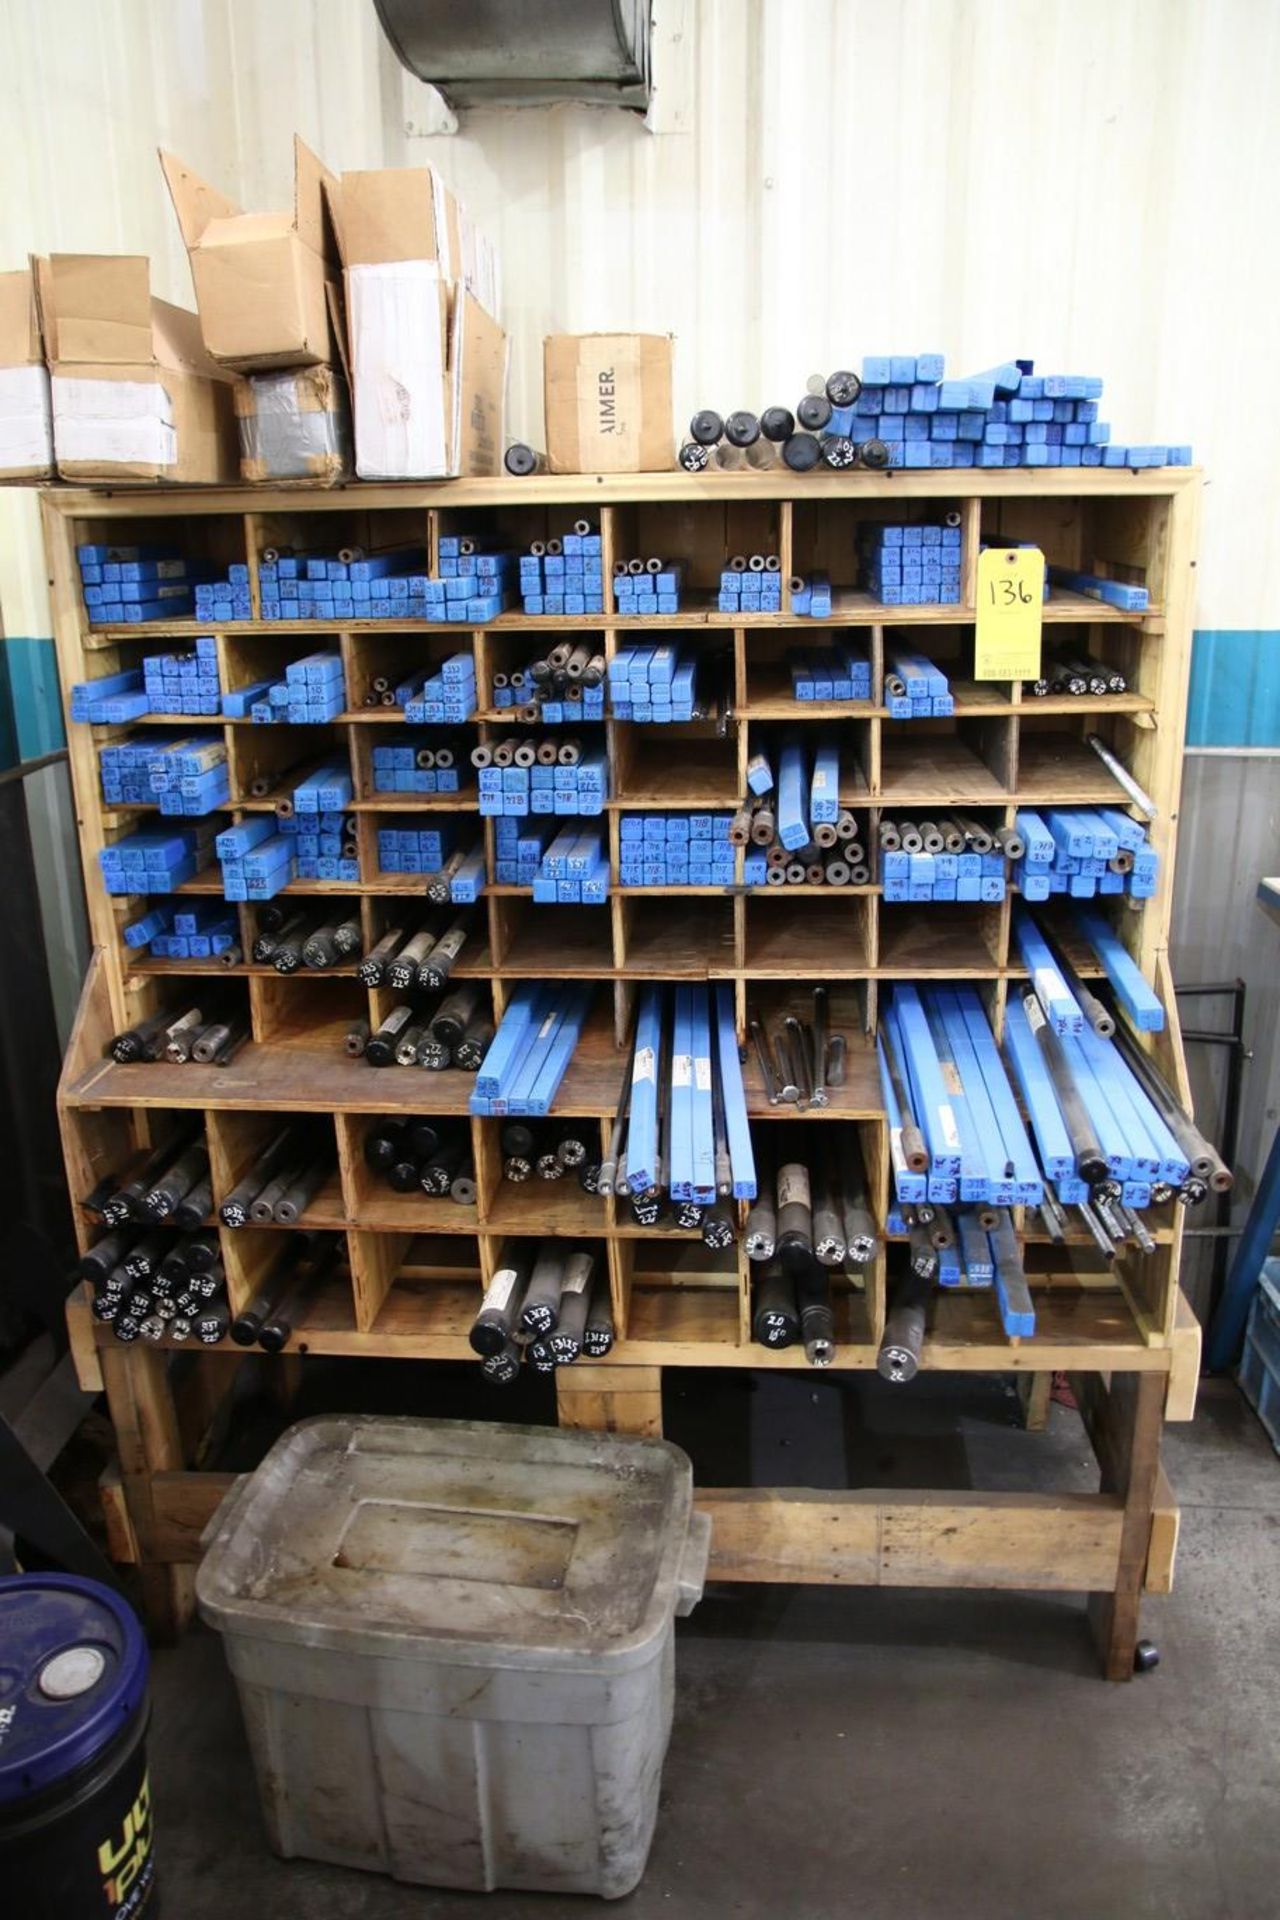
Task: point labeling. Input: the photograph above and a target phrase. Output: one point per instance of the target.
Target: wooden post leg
(1124, 1424)
(611, 1399)
(1033, 1391)
(148, 1437)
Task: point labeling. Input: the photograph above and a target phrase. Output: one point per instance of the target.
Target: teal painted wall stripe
(1235, 688)
(30, 704)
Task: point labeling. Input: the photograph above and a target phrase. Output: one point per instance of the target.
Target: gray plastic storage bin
(454, 1645)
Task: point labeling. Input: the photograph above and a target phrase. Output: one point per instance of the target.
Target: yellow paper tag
(1010, 613)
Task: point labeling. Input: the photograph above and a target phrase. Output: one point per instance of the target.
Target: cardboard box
(426, 355)
(135, 395)
(607, 398)
(294, 424)
(26, 414)
(260, 278)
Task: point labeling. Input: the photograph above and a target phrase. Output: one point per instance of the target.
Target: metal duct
(524, 53)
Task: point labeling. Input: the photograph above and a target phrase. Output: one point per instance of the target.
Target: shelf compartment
(766, 691)
(674, 769)
(537, 941)
(373, 1204)
(1058, 769)
(941, 940)
(680, 935)
(811, 938)
(923, 768)
(236, 1141)
(848, 1013)
(1122, 538)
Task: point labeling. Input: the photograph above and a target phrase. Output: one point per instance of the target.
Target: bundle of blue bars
(642, 588)
(808, 784)
(811, 595)
(1095, 586)
(470, 588)
(228, 598)
(839, 672)
(920, 877)
(576, 782)
(133, 584)
(257, 859)
(202, 932)
(1007, 416)
(406, 849)
(410, 762)
(155, 862)
(179, 776)
(456, 868)
(751, 583)
(441, 695)
(914, 687)
(313, 691)
(937, 1050)
(675, 850)
(1083, 851)
(574, 870)
(1099, 1135)
(686, 1133)
(653, 685)
(564, 574)
(182, 684)
(529, 1053)
(916, 564)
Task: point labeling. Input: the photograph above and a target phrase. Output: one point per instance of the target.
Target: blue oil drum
(75, 1804)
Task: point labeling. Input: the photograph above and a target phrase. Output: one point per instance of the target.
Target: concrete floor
(890, 1756)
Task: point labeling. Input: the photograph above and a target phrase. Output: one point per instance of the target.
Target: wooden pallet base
(1112, 1545)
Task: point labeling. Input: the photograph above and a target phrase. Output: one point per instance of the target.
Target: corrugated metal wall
(1090, 181)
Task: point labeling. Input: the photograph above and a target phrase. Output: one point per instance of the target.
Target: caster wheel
(1146, 1656)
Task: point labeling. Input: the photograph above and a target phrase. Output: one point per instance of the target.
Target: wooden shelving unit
(416, 1265)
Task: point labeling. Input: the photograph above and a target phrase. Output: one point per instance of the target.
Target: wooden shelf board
(382, 1210)
(935, 769)
(561, 943)
(546, 1207)
(1058, 769)
(681, 941)
(288, 1078)
(825, 943)
(943, 941)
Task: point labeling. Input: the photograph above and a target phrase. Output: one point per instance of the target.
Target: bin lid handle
(691, 1577)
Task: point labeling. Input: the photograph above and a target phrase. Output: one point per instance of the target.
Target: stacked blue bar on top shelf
(470, 588)
(839, 672)
(532, 1048)
(922, 877)
(675, 850)
(182, 684)
(1006, 416)
(577, 786)
(573, 869)
(181, 777)
(413, 762)
(564, 574)
(642, 588)
(131, 584)
(1083, 851)
(653, 685)
(751, 583)
(156, 861)
(915, 688)
(199, 932)
(312, 692)
(226, 598)
(916, 564)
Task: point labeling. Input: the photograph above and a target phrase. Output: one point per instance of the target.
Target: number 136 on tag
(1010, 613)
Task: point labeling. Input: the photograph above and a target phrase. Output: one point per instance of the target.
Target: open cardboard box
(135, 395)
(427, 360)
(26, 415)
(260, 278)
